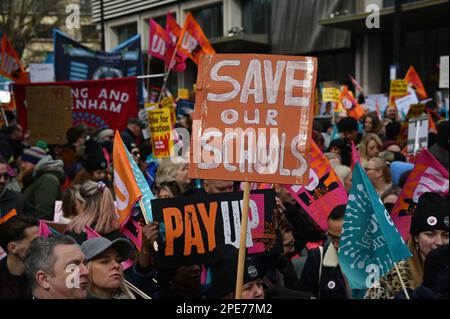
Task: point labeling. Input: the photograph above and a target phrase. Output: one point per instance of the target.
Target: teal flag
(147, 194)
(370, 243)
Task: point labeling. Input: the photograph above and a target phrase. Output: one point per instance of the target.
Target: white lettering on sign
(158, 45)
(232, 232)
(189, 43)
(8, 64)
(253, 83)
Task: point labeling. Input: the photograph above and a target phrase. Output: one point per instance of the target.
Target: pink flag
(324, 191)
(428, 175)
(157, 45)
(355, 156)
(44, 230)
(91, 233)
(356, 84)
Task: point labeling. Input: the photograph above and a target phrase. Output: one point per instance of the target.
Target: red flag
(356, 84)
(173, 31)
(412, 77)
(192, 41)
(351, 105)
(10, 65)
(157, 45)
(355, 156)
(428, 175)
(431, 124)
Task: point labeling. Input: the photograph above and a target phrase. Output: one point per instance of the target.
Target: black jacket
(13, 287)
(10, 200)
(332, 283)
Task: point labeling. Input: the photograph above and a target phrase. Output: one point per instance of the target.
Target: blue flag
(147, 194)
(370, 243)
(75, 62)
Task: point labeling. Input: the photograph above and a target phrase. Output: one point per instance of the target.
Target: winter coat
(10, 200)
(45, 187)
(331, 284)
(389, 285)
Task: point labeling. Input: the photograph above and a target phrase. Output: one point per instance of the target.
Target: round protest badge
(432, 221)
(331, 284)
(252, 271)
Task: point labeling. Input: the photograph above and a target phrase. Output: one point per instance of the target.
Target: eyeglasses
(333, 238)
(6, 176)
(136, 153)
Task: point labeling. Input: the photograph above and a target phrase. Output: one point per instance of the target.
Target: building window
(256, 16)
(391, 3)
(210, 19)
(124, 32)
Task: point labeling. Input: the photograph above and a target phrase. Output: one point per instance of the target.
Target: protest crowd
(109, 212)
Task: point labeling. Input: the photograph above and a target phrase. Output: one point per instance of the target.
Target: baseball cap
(96, 246)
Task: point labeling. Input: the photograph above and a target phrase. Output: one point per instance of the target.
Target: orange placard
(253, 118)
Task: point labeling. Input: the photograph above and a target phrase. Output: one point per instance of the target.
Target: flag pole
(401, 281)
(166, 76)
(243, 241)
(136, 290)
(144, 212)
(149, 60)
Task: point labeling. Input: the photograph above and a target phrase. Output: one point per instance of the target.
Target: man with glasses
(322, 275)
(9, 199)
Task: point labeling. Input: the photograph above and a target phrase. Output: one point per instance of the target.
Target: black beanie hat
(224, 272)
(431, 214)
(95, 162)
(74, 133)
(348, 124)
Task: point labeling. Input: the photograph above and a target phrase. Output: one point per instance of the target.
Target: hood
(49, 165)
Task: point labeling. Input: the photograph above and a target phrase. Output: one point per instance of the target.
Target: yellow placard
(150, 106)
(399, 88)
(167, 102)
(183, 94)
(331, 94)
(159, 122)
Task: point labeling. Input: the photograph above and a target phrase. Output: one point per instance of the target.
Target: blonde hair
(416, 262)
(381, 164)
(362, 147)
(342, 172)
(97, 207)
(167, 170)
(122, 288)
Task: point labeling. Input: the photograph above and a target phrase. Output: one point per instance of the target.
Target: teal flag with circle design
(370, 243)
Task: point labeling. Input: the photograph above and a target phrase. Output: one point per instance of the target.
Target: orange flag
(10, 65)
(125, 186)
(412, 77)
(192, 41)
(351, 105)
(11, 213)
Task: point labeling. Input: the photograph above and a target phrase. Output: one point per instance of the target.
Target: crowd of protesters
(80, 173)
